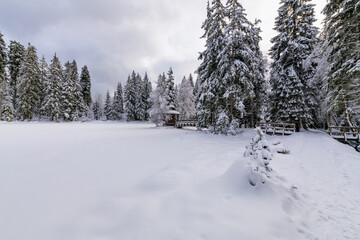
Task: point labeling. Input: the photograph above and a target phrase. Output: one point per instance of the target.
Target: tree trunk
(252, 112)
(231, 107)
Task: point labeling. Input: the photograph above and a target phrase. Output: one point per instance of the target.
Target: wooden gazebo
(171, 116)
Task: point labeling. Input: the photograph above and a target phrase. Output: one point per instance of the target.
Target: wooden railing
(345, 133)
(186, 123)
(277, 128)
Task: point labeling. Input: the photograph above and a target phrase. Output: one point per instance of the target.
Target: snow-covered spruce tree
(235, 65)
(108, 109)
(3, 61)
(341, 33)
(118, 103)
(28, 85)
(170, 85)
(16, 57)
(191, 79)
(256, 102)
(318, 62)
(52, 101)
(43, 78)
(73, 106)
(96, 108)
(159, 100)
(147, 88)
(291, 97)
(207, 97)
(7, 111)
(67, 97)
(130, 97)
(85, 83)
(139, 104)
(185, 100)
(259, 155)
(79, 104)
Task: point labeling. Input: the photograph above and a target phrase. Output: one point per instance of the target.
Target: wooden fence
(345, 133)
(277, 128)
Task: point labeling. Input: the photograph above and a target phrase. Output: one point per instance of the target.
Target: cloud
(114, 37)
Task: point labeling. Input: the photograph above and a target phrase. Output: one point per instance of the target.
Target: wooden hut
(171, 116)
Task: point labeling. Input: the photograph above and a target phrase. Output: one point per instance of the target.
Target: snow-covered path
(328, 173)
(133, 181)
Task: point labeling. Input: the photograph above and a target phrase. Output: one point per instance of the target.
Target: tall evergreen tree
(79, 104)
(85, 83)
(73, 106)
(208, 71)
(3, 61)
(291, 94)
(29, 85)
(255, 104)
(191, 79)
(7, 111)
(52, 102)
(236, 57)
(130, 98)
(16, 57)
(108, 110)
(147, 88)
(139, 103)
(97, 110)
(118, 103)
(170, 84)
(67, 97)
(43, 78)
(341, 34)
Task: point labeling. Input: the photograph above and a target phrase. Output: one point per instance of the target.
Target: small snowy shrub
(233, 126)
(259, 156)
(222, 124)
(279, 148)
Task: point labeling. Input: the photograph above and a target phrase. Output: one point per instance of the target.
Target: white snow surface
(133, 181)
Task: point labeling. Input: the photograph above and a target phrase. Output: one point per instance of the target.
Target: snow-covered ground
(134, 181)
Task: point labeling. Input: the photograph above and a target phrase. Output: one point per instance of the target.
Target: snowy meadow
(104, 180)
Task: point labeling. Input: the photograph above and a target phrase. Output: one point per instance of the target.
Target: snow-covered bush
(259, 156)
(233, 126)
(222, 124)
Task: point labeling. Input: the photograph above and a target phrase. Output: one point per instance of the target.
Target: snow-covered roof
(172, 112)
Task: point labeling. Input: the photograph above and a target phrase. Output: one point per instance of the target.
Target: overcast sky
(114, 37)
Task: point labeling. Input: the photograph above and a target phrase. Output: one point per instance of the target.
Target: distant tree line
(31, 89)
(138, 101)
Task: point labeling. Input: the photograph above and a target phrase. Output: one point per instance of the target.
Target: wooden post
(283, 133)
(252, 112)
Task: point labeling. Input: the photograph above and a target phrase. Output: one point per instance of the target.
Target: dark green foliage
(292, 96)
(97, 110)
(16, 57)
(130, 97)
(52, 101)
(3, 61)
(118, 103)
(85, 83)
(342, 42)
(29, 85)
(108, 110)
(147, 88)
